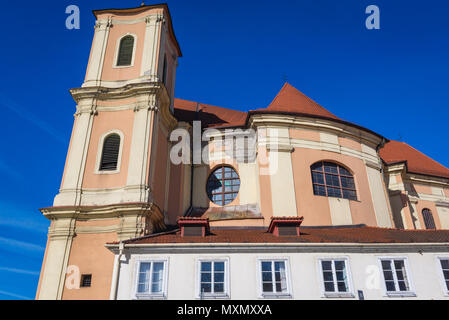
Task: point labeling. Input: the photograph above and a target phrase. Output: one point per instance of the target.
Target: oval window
(223, 185)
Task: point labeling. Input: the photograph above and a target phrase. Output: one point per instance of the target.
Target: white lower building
(354, 262)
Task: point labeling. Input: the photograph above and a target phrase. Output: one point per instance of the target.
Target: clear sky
(237, 54)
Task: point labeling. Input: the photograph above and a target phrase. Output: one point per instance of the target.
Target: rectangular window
(274, 277)
(150, 278)
(445, 268)
(213, 275)
(395, 276)
(86, 280)
(335, 276)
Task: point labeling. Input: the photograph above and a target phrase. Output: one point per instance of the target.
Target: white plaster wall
(340, 211)
(249, 183)
(379, 198)
(443, 214)
(424, 273)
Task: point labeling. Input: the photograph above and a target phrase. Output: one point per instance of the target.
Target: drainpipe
(115, 272)
(190, 209)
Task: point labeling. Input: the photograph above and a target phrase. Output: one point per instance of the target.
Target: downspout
(190, 209)
(115, 272)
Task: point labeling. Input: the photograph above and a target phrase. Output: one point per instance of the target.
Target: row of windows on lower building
(274, 278)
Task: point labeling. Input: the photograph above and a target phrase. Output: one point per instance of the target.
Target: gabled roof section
(291, 100)
(210, 116)
(417, 162)
(143, 8)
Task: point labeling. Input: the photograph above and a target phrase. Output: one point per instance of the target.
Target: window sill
(212, 297)
(122, 67)
(107, 172)
(401, 294)
(338, 295)
(150, 297)
(276, 296)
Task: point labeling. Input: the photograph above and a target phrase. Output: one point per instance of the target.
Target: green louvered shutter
(125, 54)
(109, 157)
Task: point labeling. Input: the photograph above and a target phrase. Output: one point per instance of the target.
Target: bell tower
(114, 185)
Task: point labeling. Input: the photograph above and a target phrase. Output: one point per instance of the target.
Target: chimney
(194, 227)
(285, 226)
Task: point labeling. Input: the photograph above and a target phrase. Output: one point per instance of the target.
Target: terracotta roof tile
(210, 116)
(291, 100)
(417, 162)
(348, 234)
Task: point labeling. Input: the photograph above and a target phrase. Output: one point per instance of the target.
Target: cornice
(283, 247)
(92, 212)
(127, 91)
(314, 123)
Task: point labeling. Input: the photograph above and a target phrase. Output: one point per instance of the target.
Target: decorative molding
(103, 24)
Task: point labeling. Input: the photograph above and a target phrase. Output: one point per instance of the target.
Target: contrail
(23, 113)
(21, 271)
(10, 294)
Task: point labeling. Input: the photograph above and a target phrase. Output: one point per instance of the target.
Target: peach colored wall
(176, 192)
(106, 121)
(350, 143)
(304, 134)
(123, 73)
(266, 202)
(115, 103)
(160, 170)
(446, 192)
(422, 189)
(315, 209)
(90, 255)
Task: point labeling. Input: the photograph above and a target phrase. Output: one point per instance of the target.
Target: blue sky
(236, 55)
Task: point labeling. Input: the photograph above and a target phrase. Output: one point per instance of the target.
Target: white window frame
(100, 153)
(410, 292)
(117, 49)
(146, 296)
(326, 294)
(274, 295)
(226, 294)
(440, 271)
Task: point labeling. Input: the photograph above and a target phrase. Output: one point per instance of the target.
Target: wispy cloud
(19, 245)
(30, 117)
(10, 171)
(22, 218)
(20, 271)
(17, 296)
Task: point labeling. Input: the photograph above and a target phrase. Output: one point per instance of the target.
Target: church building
(164, 198)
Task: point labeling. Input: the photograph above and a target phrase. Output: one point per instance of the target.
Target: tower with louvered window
(115, 181)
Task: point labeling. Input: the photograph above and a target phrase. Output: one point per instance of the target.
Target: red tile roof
(210, 116)
(348, 234)
(417, 162)
(291, 100)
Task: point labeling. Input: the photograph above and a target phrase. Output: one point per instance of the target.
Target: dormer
(285, 226)
(194, 227)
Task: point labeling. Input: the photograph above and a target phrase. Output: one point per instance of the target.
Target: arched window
(331, 180)
(428, 219)
(110, 153)
(164, 71)
(125, 52)
(223, 185)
